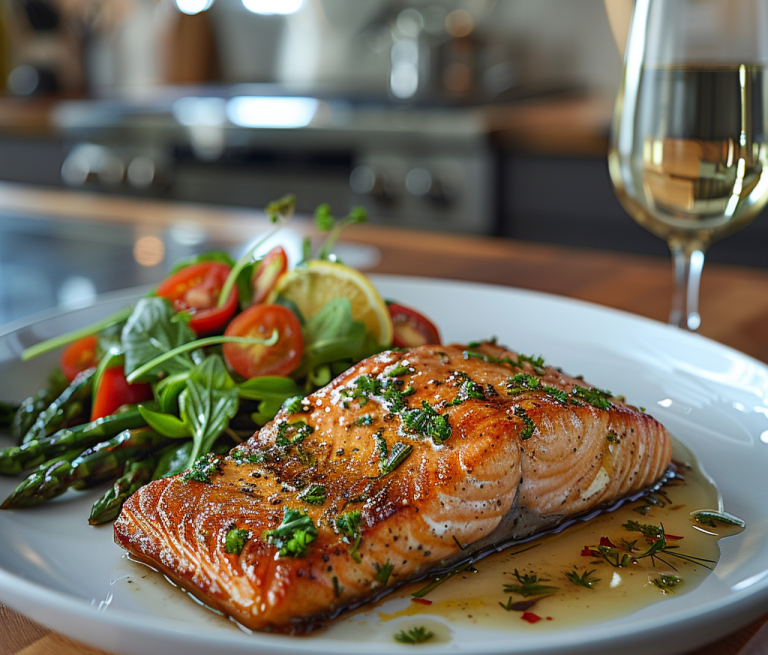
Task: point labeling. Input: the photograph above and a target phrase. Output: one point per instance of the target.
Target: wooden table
(734, 306)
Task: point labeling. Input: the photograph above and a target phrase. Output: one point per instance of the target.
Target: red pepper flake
(423, 601)
(549, 618)
(530, 617)
(588, 552)
(605, 541)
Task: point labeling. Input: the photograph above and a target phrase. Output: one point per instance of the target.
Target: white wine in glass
(689, 150)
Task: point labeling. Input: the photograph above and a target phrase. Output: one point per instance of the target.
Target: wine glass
(688, 148)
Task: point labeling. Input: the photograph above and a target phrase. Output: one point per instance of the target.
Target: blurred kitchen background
(477, 116)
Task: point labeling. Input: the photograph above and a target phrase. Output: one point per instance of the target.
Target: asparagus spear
(54, 416)
(31, 407)
(16, 459)
(103, 461)
(137, 473)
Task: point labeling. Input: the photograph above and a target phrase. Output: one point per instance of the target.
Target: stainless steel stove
(426, 167)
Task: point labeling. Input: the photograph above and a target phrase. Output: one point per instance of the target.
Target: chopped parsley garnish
(529, 427)
(365, 419)
(612, 437)
(586, 579)
(400, 452)
(383, 571)
(314, 495)
(529, 585)
(490, 340)
(522, 382)
(235, 540)
(468, 389)
(711, 518)
(293, 535)
(336, 587)
(203, 468)
(558, 394)
(400, 370)
(294, 405)
(427, 423)
(595, 397)
(292, 433)
(666, 582)
(415, 635)
(349, 524)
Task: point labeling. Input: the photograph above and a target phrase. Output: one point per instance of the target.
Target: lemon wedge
(309, 287)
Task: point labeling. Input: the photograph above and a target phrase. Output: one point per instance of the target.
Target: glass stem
(687, 260)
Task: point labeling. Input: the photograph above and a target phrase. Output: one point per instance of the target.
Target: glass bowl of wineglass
(688, 156)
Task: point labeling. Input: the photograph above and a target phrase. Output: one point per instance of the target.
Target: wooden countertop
(734, 305)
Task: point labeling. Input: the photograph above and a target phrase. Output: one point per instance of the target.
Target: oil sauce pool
(566, 579)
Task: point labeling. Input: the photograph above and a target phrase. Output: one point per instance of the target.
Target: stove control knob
(365, 181)
(426, 184)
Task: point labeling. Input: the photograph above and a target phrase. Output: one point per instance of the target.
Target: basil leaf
(173, 460)
(166, 424)
(152, 330)
(330, 335)
(272, 391)
(208, 404)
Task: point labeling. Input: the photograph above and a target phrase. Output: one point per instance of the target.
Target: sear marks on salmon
(404, 463)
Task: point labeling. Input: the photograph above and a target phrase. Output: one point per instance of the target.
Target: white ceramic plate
(72, 578)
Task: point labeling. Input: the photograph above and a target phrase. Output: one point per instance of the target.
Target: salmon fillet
(406, 462)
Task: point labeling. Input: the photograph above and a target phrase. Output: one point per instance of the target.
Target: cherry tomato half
(258, 321)
(79, 356)
(114, 392)
(196, 289)
(411, 329)
(274, 264)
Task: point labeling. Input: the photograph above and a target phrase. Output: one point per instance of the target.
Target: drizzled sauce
(475, 599)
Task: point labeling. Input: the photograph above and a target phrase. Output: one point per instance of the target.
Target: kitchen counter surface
(61, 227)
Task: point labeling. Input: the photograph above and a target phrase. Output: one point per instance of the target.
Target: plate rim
(742, 606)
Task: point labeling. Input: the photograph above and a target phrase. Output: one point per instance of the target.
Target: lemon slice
(313, 285)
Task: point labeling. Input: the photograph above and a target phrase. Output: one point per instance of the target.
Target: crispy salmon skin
(404, 462)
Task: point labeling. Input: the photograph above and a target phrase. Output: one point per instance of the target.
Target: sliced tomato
(114, 392)
(196, 289)
(79, 356)
(411, 329)
(274, 264)
(258, 321)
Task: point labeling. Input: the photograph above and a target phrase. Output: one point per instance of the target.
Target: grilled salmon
(407, 462)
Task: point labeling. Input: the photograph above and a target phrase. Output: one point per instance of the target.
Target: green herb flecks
(469, 389)
(666, 582)
(415, 635)
(649, 531)
(399, 370)
(364, 420)
(594, 396)
(711, 518)
(521, 383)
(289, 434)
(426, 422)
(235, 540)
(400, 452)
(314, 494)
(383, 571)
(612, 437)
(295, 405)
(586, 579)
(203, 468)
(348, 525)
(529, 427)
(529, 585)
(553, 392)
(293, 536)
